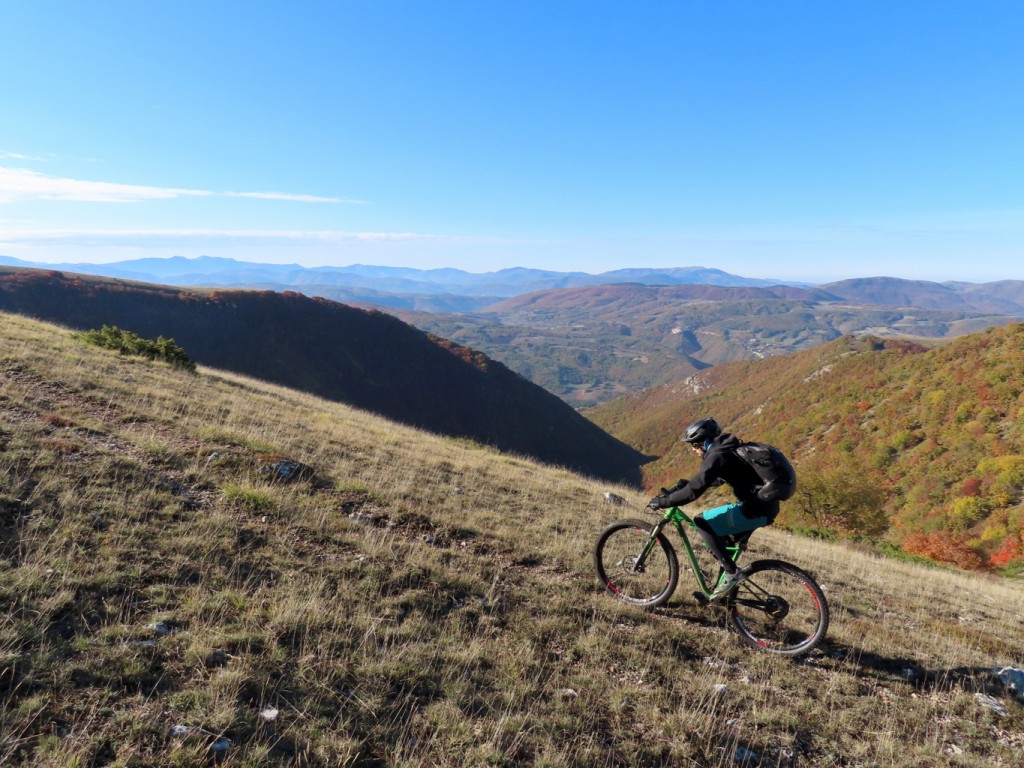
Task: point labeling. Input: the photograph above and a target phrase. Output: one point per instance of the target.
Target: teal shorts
(729, 520)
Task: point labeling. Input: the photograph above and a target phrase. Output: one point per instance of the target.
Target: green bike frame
(678, 518)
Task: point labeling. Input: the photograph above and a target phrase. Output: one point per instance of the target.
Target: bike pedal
(701, 599)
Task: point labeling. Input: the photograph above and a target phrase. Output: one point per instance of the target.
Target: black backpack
(772, 467)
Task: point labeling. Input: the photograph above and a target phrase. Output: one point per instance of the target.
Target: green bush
(128, 343)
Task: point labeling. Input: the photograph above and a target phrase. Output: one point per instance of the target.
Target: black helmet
(701, 431)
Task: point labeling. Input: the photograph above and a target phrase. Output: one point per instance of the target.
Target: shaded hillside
(365, 358)
(411, 600)
(589, 345)
(940, 430)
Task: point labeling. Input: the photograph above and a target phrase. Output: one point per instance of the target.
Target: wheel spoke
(617, 559)
(779, 609)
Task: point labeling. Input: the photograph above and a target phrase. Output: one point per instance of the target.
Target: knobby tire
(615, 558)
(779, 609)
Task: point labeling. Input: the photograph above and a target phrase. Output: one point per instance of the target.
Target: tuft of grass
(256, 499)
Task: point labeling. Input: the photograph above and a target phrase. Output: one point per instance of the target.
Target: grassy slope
(393, 620)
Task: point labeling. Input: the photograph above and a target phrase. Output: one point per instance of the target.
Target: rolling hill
(406, 599)
(939, 430)
(364, 358)
(590, 345)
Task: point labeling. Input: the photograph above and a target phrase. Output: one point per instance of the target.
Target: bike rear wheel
(779, 609)
(617, 558)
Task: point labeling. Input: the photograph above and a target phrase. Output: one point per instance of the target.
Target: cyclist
(720, 463)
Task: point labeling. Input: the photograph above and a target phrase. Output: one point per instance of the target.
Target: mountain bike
(778, 609)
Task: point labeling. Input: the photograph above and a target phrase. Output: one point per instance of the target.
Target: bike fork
(642, 558)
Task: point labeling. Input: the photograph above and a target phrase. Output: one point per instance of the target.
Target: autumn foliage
(943, 547)
(938, 432)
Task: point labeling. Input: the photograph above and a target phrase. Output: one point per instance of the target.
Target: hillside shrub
(967, 510)
(1010, 552)
(944, 547)
(128, 343)
(842, 500)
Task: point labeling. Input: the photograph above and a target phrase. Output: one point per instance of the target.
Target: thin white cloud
(294, 198)
(95, 236)
(19, 156)
(22, 185)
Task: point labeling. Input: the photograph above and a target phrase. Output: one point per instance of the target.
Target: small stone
(178, 731)
(719, 689)
(744, 756)
(614, 499)
(269, 715)
(459, 491)
(160, 628)
(991, 703)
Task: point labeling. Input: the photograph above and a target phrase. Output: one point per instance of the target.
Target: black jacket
(722, 464)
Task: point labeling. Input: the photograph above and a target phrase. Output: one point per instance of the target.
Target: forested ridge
(934, 435)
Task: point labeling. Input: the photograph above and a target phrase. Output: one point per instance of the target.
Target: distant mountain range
(1003, 297)
(444, 290)
(364, 358)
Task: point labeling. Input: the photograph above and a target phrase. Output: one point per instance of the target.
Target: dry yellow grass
(421, 601)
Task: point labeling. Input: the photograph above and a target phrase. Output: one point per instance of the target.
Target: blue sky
(798, 140)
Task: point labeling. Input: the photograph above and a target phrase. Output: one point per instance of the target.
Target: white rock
(991, 703)
(1014, 680)
(160, 628)
(269, 715)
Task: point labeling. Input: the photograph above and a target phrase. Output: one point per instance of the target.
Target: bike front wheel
(647, 580)
(779, 609)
